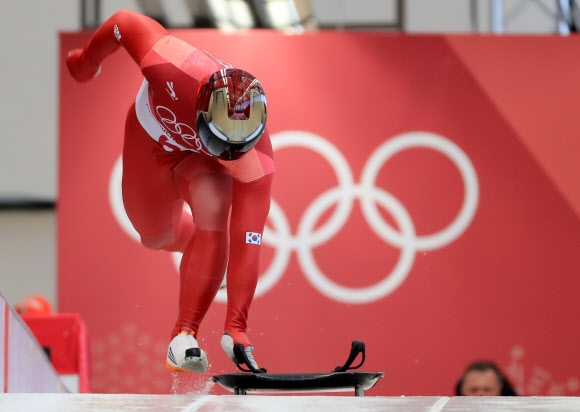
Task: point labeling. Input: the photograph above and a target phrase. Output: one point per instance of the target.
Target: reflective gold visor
(231, 113)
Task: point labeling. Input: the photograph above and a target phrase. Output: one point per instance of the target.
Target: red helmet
(34, 305)
(231, 113)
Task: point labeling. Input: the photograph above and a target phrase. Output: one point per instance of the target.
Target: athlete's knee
(157, 242)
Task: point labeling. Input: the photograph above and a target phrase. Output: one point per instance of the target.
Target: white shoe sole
(197, 364)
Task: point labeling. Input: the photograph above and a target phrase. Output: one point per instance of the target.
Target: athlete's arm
(136, 32)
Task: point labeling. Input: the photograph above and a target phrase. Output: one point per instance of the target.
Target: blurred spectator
(484, 378)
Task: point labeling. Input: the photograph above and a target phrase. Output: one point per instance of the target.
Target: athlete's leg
(151, 200)
(250, 207)
(204, 260)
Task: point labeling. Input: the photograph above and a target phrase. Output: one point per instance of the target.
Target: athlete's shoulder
(188, 59)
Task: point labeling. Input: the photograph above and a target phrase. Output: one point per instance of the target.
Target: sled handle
(356, 348)
(242, 359)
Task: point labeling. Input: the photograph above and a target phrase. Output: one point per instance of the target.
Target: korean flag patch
(254, 238)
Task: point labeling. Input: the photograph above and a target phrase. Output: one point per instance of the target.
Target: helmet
(231, 113)
(33, 305)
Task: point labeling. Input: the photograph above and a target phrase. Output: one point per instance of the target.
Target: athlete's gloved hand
(80, 68)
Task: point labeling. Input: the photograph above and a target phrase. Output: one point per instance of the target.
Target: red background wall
(503, 285)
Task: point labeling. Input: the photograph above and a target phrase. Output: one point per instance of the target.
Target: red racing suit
(165, 166)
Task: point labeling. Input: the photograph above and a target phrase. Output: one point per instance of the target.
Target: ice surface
(64, 402)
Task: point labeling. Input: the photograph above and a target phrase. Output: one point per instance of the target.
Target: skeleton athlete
(195, 134)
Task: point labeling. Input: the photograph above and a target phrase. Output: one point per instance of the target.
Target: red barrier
(65, 339)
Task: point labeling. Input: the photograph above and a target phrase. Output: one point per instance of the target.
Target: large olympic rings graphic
(343, 196)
